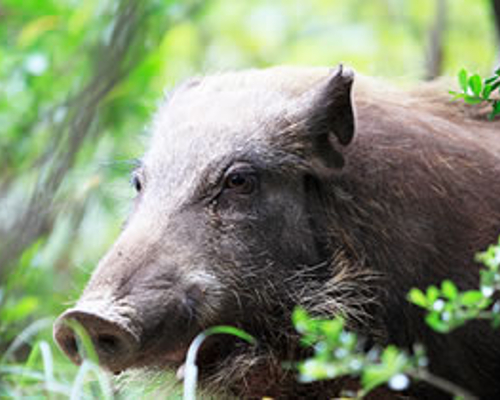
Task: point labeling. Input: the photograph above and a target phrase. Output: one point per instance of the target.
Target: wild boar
(266, 189)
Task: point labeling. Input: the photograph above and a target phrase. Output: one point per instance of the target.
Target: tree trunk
(435, 49)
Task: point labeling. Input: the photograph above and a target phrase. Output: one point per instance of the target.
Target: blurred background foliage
(79, 81)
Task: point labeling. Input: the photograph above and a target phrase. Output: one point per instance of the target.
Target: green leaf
(472, 99)
(301, 320)
(471, 298)
(463, 79)
(449, 290)
(19, 311)
(374, 375)
(496, 107)
(435, 322)
(495, 322)
(314, 370)
(390, 355)
(456, 95)
(487, 91)
(393, 362)
(495, 85)
(489, 81)
(432, 294)
(476, 84)
(332, 329)
(495, 111)
(417, 297)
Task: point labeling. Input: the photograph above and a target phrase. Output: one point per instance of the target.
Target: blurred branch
(112, 63)
(496, 14)
(435, 50)
(114, 58)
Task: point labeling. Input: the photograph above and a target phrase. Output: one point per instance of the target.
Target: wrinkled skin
(252, 199)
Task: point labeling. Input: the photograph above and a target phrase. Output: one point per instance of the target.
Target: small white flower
(487, 291)
(340, 353)
(438, 305)
(399, 382)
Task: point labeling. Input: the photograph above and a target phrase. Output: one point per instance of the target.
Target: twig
(440, 383)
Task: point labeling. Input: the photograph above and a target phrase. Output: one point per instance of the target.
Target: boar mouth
(164, 356)
(210, 356)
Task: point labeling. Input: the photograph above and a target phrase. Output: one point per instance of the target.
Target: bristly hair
(269, 367)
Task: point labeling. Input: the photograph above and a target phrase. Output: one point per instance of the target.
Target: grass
(32, 367)
(47, 374)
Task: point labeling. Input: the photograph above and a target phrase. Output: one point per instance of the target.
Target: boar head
(229, 224)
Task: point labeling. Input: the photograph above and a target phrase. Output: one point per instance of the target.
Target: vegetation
(476, 90)
(338, 352)
(448, 308)
(79, 81)
(191, 370)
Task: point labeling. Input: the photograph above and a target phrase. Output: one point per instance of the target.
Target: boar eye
(241, 182)
(136, 183)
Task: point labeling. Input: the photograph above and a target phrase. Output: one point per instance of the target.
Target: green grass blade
(191, 370)
(26, 335)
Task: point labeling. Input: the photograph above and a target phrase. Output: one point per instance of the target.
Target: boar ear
(332, 119)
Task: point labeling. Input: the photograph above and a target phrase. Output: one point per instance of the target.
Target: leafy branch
(448, 309)
(476, 90)
(339, 353)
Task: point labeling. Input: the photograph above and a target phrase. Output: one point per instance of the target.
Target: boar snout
(156, 330)
(114, 344)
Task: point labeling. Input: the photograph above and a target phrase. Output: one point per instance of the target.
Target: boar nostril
(69, 345)
(108, 343)
(113, 343)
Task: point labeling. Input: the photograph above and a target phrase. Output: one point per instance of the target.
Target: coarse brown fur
(341, 224)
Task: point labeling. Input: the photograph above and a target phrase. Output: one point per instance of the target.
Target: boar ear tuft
(332, 116)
